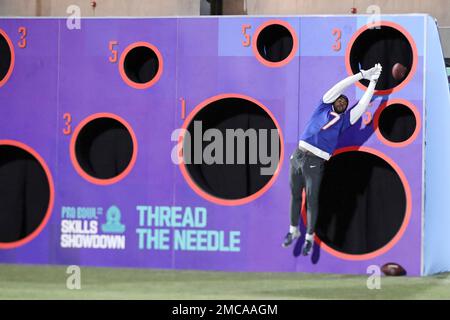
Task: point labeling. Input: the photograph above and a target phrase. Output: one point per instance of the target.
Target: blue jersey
(322, 132)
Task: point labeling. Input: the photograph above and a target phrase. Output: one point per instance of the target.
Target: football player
(317, 143)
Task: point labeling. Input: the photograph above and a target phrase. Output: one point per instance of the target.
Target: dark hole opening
(362, 203)
(5, 57)
(233, 180)
(275, 43)
(104, 148)
(141, 64)
(386, 46)
(24, 193)
(397, 123)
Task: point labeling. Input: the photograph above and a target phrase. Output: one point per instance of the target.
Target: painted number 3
(23, 34)
(67, 124)
(337, 41)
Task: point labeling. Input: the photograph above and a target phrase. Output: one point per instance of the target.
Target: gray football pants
(305, 172)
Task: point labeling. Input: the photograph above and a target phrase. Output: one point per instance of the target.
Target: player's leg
(296, 182)
(313, 173)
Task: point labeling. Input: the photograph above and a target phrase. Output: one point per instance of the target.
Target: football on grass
(393, 269)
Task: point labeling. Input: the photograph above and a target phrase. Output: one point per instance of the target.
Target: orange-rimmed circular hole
(397, 123)
(365, 204)
(275, 43)
(386, 43)
(26, 194)
(141, 65)
(231, 181)
(7, 57)
(103, 148)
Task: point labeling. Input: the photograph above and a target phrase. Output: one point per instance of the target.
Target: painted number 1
(183, 108)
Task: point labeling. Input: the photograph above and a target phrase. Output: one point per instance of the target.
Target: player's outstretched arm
(331, 95)
(357, 111)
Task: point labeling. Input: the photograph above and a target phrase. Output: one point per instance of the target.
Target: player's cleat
(307, 247)
(289, 238)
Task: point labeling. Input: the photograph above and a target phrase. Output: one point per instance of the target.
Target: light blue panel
(231, 36)
(436, 237)
(317, 38)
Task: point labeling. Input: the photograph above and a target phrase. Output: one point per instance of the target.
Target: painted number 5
(113, 56)
(247, 41)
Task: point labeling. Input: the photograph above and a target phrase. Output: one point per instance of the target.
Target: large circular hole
(397, 123)
(275, 43)
(362, 203)
(104, 149)
(385, 45)
(6, 57)
(25, 194)
(141, 65)
(247, 154)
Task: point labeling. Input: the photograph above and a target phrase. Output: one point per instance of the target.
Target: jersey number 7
(332, 121)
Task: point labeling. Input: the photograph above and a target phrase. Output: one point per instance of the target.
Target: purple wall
(67, 71)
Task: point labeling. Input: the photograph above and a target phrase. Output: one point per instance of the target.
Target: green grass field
(45, 282)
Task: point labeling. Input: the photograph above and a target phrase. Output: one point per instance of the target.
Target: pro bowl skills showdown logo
(91, 228)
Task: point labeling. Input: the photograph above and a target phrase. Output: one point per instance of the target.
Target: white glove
(377, 72)
(368, 74)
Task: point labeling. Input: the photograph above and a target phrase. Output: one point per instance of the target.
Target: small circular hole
(141, 65)
(104, 149)
(388, 46)
(362, 203)
(25, 194)
(275, 43)
(397, 123)
(229, 178)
